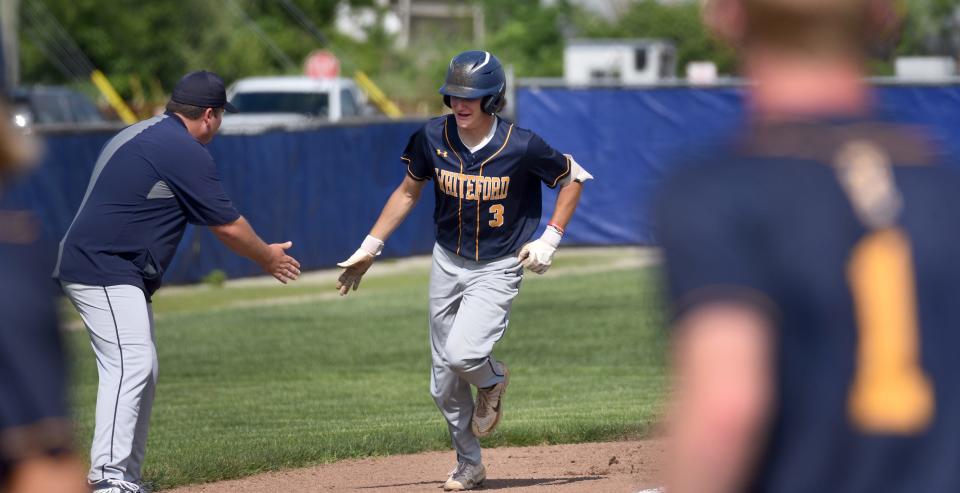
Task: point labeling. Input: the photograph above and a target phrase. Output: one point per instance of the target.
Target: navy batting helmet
(476, 74)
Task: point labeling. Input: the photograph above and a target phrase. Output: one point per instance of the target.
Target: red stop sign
(321, 64)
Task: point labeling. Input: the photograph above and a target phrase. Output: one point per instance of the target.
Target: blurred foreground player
(36, 436)
(813, 269)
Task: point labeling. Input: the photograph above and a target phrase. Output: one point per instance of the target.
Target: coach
(150, 180)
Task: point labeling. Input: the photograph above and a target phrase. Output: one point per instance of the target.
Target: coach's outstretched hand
(358, 264)
(280, 265)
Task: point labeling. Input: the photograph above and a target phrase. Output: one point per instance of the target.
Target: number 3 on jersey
(497, 211)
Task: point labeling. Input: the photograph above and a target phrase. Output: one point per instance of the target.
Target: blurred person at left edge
(36, 434)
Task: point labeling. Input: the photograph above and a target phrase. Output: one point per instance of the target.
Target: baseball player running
(487, 174)
(150, 180)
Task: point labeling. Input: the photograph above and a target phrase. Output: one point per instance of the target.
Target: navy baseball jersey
(33, 397)
(488, 203)
(862, 292)
(150, 180)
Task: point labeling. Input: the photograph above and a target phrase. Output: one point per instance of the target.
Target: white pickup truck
(291, 102)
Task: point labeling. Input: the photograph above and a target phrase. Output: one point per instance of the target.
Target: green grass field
(257, 377)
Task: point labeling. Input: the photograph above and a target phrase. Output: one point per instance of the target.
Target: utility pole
(10, 39)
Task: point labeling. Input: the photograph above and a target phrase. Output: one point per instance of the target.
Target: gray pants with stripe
(120, 323)
(469, 310)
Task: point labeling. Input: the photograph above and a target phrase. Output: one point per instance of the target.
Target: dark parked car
(53, 105)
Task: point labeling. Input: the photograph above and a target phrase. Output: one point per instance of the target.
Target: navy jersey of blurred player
(488, 203)
(32, 367)
(34, 420)
(813, 271)
(843, 236)
(36, 432)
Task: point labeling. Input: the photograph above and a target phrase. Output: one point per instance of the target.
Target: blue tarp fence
(629, 138)
(323, 188)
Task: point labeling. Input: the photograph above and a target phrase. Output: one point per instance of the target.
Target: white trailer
(618, 61)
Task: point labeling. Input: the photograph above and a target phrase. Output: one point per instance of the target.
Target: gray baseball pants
(469, 310)
(120, 323)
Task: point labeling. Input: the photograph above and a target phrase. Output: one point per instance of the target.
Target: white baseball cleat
(489, 407)
(115, 486)
(466, 476)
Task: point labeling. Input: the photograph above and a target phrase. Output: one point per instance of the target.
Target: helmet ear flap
(493, 103)
(486, 104)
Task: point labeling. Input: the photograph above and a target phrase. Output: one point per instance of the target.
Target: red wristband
(557, 226)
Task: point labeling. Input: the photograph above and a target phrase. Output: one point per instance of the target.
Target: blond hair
(817, 27)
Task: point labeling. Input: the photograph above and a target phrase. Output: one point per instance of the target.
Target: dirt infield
(626, 467)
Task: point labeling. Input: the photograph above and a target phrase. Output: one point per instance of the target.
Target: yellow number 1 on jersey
(890, 392)
(497, 211)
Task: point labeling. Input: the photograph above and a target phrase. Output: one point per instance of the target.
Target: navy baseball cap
(203, 89)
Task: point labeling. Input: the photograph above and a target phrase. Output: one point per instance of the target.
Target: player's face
(468, 113)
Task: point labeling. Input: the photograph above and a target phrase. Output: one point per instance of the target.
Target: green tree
(148, 46)
(930, 27)
(528, 35)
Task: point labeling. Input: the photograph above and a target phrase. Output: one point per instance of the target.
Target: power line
(49, 45)
(305, 21)
(55, 42)
(42, 46)
(312, 28)
(271, 46)
(68, 40)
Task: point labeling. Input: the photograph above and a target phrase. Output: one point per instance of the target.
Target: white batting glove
(358, 264)
(538, 255)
